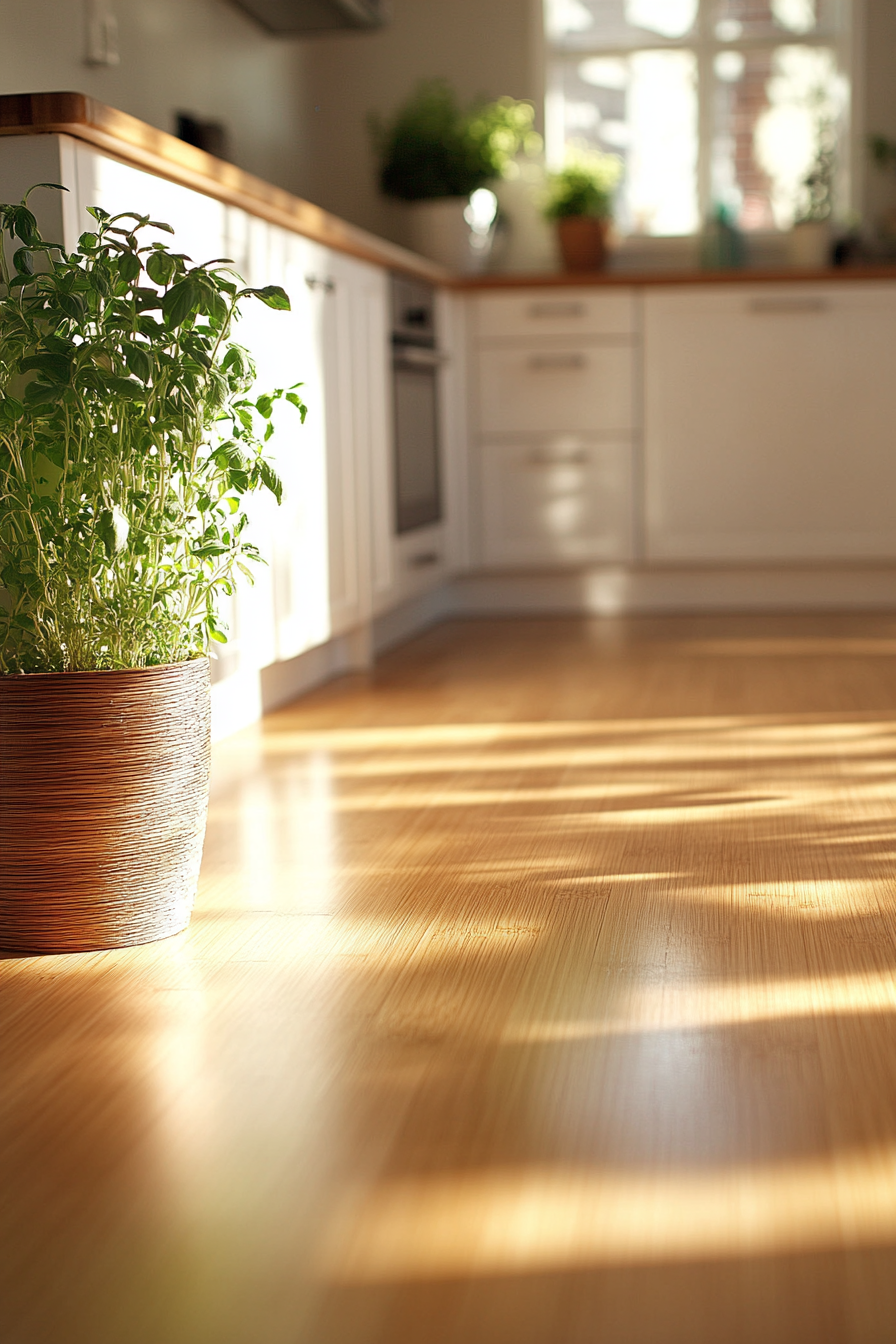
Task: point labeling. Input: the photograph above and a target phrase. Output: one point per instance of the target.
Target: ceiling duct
(315, 16)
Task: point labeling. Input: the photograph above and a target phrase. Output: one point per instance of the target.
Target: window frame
(848, 44)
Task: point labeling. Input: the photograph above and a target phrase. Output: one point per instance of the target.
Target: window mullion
(704, 109)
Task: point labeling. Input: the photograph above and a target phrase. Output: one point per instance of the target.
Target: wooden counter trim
(127, 138)
(144, 146)
(629, 279)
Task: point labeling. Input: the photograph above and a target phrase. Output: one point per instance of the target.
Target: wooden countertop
(134, 141)
(613, 279)
(146, 147)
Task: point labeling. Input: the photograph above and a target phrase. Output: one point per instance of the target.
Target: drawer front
(535, 313)
(557, 388)
(560, 502)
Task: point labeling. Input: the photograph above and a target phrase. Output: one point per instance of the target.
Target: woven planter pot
(583, 242)
(103, 802)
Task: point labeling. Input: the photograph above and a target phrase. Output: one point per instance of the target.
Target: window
(740, 103)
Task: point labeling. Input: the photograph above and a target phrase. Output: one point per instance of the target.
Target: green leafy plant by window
(585, 185)
(882, 150)
(128, 441)
(816, 202)
(434, 148)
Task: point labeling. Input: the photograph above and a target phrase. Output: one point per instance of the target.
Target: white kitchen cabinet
(295, 537)
(565, 500)
(568, 387)
(327, 548)
(207, 229)
(334, 554)
(768, 429)
(345, 388)
(539, 314)
(373, 343)
(556, 386)
(331, 547)
(286, 609)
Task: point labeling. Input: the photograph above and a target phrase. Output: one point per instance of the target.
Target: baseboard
(611, 591)
(413, 617)
(242, 699)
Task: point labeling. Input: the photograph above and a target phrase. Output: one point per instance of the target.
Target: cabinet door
(293, 537)
(286, 610)
(204, 229)
(562, 501)
(346, 379)
(27, 159)
(768, 430)
(199, 222)
(374, 422)
(554, 388)
(555, 311)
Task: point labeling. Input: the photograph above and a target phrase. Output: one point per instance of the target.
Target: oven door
(418, 496)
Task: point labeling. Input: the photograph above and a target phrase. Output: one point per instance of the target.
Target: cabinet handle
(577, 459)
(556, 310)
(789, 305)
(320, 282)
(423, 559)
(419, 356)
(560, 361)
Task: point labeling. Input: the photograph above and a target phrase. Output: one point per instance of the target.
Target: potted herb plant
(128, 442)
(810, 237)
(580, 201)
(434, 154)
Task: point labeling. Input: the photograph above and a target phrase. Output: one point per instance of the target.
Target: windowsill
(641, 253)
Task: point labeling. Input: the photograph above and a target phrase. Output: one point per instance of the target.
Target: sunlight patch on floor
(540, 1219)
(671, 1006)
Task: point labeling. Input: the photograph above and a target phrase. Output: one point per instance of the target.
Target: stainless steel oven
(415, 366)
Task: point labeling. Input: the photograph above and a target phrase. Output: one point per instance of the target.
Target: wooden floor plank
(540, 991)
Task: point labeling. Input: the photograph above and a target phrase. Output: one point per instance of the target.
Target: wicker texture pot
(583, 242)
(103, 803)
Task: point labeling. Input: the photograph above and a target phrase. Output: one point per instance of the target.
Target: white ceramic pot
(437, 229)
(530, 243)
(809, 245)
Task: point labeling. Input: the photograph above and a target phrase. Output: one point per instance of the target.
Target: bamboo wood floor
(540, 991)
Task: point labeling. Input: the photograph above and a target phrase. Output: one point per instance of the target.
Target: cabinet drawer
(556, 388)
(555, 312)
(563, 501)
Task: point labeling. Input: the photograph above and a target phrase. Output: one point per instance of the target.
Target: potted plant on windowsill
(810, 242)
(580, 202)
(128, 441)
(434, 154)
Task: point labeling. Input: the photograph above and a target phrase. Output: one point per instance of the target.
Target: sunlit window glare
(777, 113)
(669, 18)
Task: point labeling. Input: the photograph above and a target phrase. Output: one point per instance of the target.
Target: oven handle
(418, 356)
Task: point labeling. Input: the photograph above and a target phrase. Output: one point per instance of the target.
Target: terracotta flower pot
(103, 803)
(583, 242)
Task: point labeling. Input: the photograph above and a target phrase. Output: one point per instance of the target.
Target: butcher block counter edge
(628, 279)
(127, 138)
(135, 142)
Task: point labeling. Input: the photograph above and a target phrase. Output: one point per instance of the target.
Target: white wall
(199, 56)
(482, 47)
(878, 101)
(297, 108)
(492, 47)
